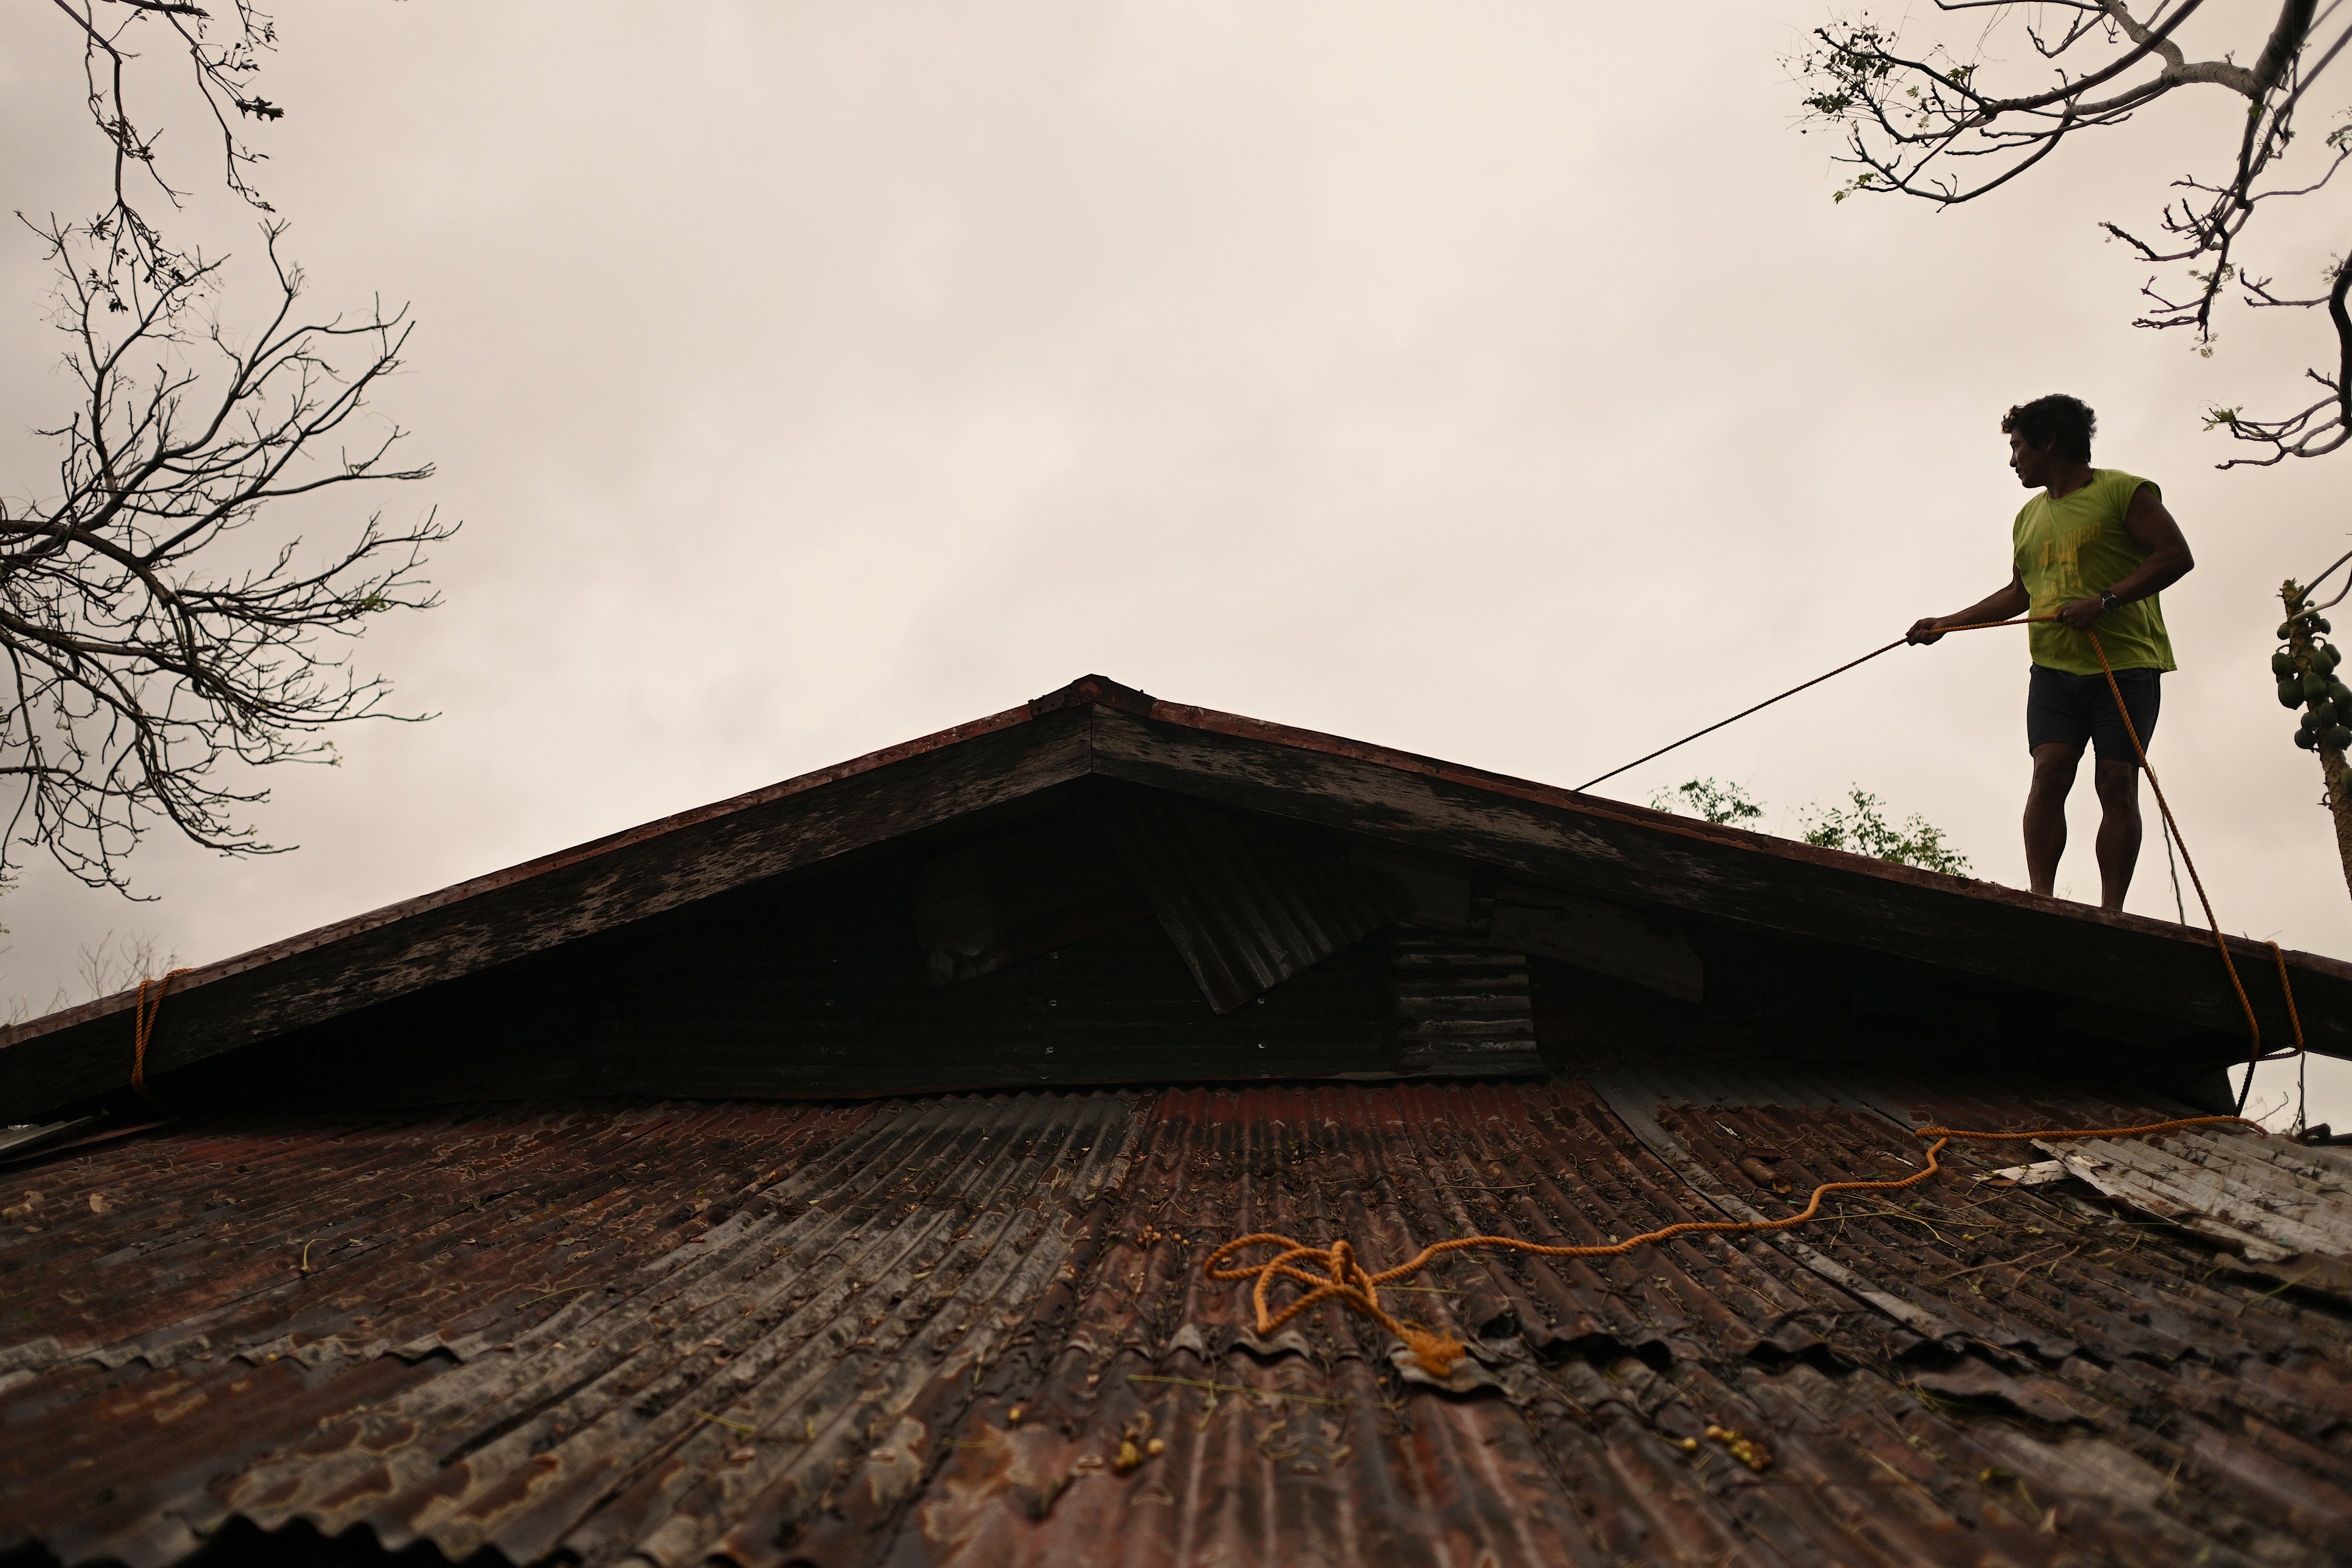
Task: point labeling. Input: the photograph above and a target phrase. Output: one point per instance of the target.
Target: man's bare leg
(2046, 812)
(2117, 783)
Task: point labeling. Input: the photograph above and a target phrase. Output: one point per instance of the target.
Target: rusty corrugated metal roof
(2277, 1204)
(797, 1333)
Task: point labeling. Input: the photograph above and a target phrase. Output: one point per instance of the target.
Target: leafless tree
(223, 59)
(1929, 121)
(140, 650)
(154, 648)
(115, 962)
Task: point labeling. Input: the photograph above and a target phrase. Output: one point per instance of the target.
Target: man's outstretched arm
(2003, 604)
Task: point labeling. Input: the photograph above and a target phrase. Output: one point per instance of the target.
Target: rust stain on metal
(619, 1332)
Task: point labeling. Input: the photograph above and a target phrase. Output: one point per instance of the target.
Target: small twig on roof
(2283, 1286)
(2000, 1262)
(1234, 1388)
(552, 1295)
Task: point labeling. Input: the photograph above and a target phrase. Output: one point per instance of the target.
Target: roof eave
(645, 870)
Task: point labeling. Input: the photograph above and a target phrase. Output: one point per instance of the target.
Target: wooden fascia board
(560, 898)
(1949, 922)
(1548, 835)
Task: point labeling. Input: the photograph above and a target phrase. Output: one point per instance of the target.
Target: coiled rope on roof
(1345, 1280)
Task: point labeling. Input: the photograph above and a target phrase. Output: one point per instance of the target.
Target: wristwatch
(2108, 602)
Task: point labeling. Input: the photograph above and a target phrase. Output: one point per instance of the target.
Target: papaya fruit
(2315, 687)
(2339, 736)
(2331, 655)
(2290, 693)
(2320, 624)
(2281, 664)
(2306, 740)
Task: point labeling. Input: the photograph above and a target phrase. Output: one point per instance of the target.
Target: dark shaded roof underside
(2121, 968)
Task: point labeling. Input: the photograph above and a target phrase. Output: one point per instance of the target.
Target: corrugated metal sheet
(2270, 1202)
(1463, 1011)
(1247, 907)
(937, 1331)
(522, 1332)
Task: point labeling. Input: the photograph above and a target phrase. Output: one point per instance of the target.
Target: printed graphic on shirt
(2073, 546)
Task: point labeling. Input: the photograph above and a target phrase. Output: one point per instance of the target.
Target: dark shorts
(2067, 710)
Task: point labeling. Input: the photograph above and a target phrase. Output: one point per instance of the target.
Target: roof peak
(1098, 689)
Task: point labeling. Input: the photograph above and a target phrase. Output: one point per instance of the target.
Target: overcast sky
(1493, 380)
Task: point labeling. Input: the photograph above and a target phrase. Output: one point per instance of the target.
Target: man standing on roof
(2091, 551)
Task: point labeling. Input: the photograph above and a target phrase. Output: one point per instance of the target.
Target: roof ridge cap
(1099, 690)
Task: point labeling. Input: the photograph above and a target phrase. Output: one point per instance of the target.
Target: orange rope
(143, 1027)
(2220, 944)
(2278, 956)
(1344, 1280)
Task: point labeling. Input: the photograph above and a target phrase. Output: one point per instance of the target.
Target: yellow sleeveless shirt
(2071, 548)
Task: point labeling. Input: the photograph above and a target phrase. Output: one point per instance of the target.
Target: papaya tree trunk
(2335, 773)
(2339, 804)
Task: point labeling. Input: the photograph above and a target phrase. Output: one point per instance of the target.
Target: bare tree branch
(143, 642)
(1926, 124)
(224, 65)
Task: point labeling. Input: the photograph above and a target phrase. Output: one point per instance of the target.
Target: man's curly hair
(2065, 422)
